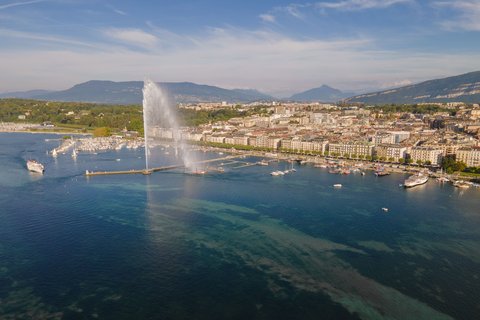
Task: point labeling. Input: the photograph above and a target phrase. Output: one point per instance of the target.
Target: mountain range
(130, 92)
(461, 88)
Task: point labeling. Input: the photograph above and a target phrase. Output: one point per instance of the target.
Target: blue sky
(279, 47)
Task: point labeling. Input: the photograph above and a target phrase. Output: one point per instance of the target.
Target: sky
(278, 47)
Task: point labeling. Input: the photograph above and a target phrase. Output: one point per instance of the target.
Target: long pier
(151, 170)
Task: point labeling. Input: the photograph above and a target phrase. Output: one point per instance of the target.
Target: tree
(459, 166)
(428, 163)
(447, 164)
(101, 132)
(391, 159)
(419, 162)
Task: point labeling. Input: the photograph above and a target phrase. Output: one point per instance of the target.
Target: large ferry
(35, 166)
(415, 180)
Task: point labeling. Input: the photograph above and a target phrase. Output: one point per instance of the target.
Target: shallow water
(237, 245)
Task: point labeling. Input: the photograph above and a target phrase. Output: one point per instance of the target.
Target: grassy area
(469, 174)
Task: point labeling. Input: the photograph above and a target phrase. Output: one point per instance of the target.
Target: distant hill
(323, 93)
(130, 92)
(24, 94)
(462, 88)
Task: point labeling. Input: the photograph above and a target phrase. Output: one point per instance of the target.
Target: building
(349, 149)
(469, 156)
(383, 138)
(215, 139)
(424, 154)
(391, 151)
(399, 136)
(300, 146)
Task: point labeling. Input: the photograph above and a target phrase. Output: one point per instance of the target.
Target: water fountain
(159, 111)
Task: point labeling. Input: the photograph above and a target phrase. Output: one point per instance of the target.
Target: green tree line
(116, 117)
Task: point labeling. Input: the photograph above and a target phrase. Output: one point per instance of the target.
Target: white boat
(262, 163)
(461, 184)
(35, 166)
(74, 154)
(385, 209)
(337, 185)
(54, 153)
(415, 180)
(442, 179)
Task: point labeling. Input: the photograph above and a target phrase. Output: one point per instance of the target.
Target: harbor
(234, 161)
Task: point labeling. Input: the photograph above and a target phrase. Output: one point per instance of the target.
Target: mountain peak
(323, 93)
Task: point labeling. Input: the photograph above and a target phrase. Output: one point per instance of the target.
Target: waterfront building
(391, 151)
(191, 136)
(358, 148)
(215, 139)
(469, 156)
(162, 133)
(425, 153)
(300, 146)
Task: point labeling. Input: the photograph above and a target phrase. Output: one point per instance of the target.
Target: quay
(151, 170)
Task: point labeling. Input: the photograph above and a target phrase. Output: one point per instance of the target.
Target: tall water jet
(159, 112)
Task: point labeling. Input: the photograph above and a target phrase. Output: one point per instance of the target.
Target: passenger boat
(415, 180)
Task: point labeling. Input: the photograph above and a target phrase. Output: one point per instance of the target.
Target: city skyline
(277, 47)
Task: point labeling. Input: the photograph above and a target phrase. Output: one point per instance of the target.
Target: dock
(151, 170)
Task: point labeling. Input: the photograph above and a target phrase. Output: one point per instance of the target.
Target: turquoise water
(238, 245)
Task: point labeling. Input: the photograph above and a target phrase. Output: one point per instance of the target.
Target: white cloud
(294, 10)
(399, 83)
(267, 17)
(359, 4)
(45, 39)
(120, 12)
(15, 4)
(469, 14)
(136, 37)
(230, 57)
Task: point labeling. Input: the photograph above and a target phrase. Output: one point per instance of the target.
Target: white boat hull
(35, 166)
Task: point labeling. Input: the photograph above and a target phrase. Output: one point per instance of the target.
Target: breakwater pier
(157, 169)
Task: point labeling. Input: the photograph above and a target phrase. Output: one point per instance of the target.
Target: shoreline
(45, 132)
(279, 156)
